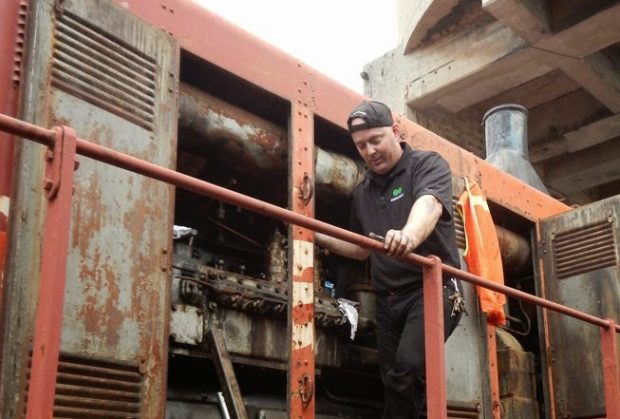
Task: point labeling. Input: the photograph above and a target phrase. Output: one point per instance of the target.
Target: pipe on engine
(256, 144)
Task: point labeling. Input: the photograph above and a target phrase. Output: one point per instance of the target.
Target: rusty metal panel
(95, 67)
(301, 326)
(580, 266)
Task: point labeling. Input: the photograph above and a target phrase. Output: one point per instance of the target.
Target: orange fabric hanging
(482, 250)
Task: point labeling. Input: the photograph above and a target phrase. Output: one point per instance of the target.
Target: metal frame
(58, 186)
(301, 372)
(433, 270)
(12, 32)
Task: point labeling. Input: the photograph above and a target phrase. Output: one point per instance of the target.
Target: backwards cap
(374, 114)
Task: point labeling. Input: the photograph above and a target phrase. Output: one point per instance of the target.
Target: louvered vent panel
(95, 388)
(458, 225)
(104, 71)
(584, 249)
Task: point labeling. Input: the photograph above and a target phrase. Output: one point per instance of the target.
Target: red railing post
(58, 186)
(611, 380)
(436, 397)
(496, 409)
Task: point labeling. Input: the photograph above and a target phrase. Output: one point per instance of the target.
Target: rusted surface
(496, 408)
(92, 387)
(585, 249)
(588, 281)
(12, 32)
(250, 142)
(104, 71)
(116, 299)
(24, 240)
(611, 377)
(514, 249)
(117, 302)
(49, 311)
(436, 394)
(302, 340)
(338, 173)
(240, 292)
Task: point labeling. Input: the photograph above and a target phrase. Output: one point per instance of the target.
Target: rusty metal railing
(64, 145)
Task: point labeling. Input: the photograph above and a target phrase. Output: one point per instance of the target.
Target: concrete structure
(560, 59)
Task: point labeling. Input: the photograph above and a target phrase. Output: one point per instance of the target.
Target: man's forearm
(422, 219)
(341, 247)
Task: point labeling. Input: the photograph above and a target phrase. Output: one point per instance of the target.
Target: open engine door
(579, 250)
(113, 78)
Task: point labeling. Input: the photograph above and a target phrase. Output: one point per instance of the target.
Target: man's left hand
(398, 243)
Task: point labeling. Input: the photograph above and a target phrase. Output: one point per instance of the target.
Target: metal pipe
(222, 404)
(514, 249)
(337, 173)
(124, 161)
(254, 143)
(24, 129)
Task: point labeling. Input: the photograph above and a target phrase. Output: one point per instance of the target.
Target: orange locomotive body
(206, 300)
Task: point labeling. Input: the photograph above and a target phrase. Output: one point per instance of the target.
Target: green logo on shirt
(397, 193)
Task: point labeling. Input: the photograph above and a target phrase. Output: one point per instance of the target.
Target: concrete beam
(586, 169)
(459, 62)
(598, 75)
(593, 134)
(528, 18)
(553, 119)
(586, 37)
(493, 86)
(548, 150)
(533, 93)
(585, 137)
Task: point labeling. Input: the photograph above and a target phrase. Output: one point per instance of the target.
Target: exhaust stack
(505, 131)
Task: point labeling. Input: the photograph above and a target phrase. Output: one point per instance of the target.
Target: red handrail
(431, 265)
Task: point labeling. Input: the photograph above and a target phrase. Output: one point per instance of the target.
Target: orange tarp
(482, 250)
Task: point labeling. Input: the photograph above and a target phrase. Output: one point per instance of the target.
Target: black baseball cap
(375, 114)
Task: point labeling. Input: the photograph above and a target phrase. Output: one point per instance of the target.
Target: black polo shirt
(383, 202)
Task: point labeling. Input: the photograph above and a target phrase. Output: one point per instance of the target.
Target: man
(406, 197)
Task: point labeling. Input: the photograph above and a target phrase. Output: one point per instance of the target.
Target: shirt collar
(400, 166)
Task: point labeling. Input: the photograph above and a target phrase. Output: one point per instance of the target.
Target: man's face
(379, 147)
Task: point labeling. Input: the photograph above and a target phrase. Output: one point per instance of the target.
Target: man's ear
(396, 129)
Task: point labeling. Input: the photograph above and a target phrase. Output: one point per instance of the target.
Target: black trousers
(400, 340)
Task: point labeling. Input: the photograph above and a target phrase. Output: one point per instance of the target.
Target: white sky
(336, 37)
